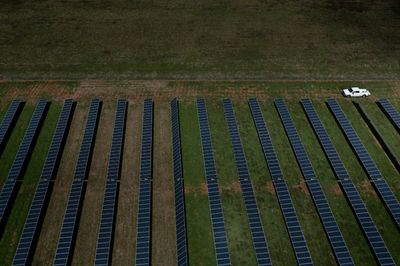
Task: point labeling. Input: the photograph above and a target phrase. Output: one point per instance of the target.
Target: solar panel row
(104, 240)
(143, 233)
(68, 231)
(289, 213)
(331, 227)
(253, 214)
(217, 217)
(37, 209)
(369, 228)
(181, 238)
(391, 112)
(8, 121)
(369, 165)
(10, 186)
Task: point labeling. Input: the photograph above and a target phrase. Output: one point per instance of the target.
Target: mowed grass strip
(200, 240)
(236, 223)
(279, 245)
(348, 225)
(16, 220)
(313, 231)
(357, 174)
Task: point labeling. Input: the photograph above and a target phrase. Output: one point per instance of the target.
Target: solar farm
(198, 173)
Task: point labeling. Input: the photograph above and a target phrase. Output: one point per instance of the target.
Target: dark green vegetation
(159, 39)
(201, 249)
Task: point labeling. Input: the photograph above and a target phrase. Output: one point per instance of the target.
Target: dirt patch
(125, 228)
(337, 190)
(163, 226)
(235, 186)
(48, 239)
(303, 187)
(366, 187)
(85, 247)
(203, 188)
(269, 186)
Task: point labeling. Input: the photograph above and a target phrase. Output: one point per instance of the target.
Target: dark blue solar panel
(69, 227)
(391, 112)
(289, 213)
(104, 240)
(370, 231)
(37, 210)
(217, 220)
(369, 165)
(253, 215)
(181, 238)
(8, 121)
(143, 231)
(9, 189)
(332, 230)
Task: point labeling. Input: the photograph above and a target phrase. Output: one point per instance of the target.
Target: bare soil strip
(85, 247)
(125, 228)
(163, 225)
(48, 238)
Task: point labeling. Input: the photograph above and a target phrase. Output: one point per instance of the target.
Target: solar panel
(285, 201)
(104, 240)
(391, 112)
(331, 227)
(360, 210)
(37, 209)
(68, 231)
(253, 214)
(217, 220)
(10, 188)
(8, 122)
(181, 238)
(143, 231)
(369, 165)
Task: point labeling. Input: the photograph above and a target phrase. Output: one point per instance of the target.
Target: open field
(200, 239)
(252, 39)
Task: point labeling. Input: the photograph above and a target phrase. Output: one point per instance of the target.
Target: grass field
(251, 39)
(200, 241)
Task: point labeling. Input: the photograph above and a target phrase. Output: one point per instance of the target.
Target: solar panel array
(370, 230)
(181, 238)
(289, 213)
(369, 165)
(253, 215)
(9, 119)
(143, 233)
(10, 186)
(331, 227)
(217, 217)
(37, 209)
(391, 112)
(69, 227)
(104, 240)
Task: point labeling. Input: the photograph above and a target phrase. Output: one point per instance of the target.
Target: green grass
(202, 39)
(16, 220)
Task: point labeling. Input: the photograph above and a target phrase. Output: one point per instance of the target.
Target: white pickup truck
(355, 92)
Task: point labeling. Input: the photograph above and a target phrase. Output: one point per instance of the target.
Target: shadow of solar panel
(106, 230)
(71, 217)
(256, 228)
(383, 189)
(331, 227)
(285, 201)
(181, 238)
(10, 188)
(143, 231)
(37, 209)
(8, 122)
(217, 220)
(369, 228)
(390, 112)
